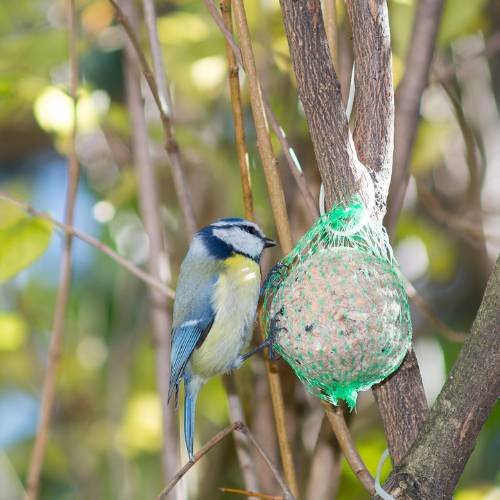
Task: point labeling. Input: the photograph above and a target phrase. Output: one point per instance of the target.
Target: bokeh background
(106, 431)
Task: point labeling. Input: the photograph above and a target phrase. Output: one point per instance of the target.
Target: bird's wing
(193, 318)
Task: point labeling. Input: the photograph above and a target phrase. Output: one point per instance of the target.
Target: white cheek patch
(241, 240)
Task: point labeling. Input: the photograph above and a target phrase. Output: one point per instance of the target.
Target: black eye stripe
(251, 230)
(247, 229)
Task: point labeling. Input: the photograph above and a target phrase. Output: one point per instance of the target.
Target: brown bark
(374, 98)
(408, 96)
(319, 91)
(436, 460)
(403, 407)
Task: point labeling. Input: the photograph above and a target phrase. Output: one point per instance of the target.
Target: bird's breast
(235, 304)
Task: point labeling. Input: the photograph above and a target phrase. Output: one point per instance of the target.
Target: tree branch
(161, 99)
(241, 442)
(402, 406)
(238, 427)
(178, 174)
(374, 97)
(49, 383)
(70, 230)
(408, 96)
(277, 198)
(288, 152)
(437, 458)
(239, 127)
(319, 92)
(335, 415)
(150, 209)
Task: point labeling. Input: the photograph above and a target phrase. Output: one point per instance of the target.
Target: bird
(214, 309)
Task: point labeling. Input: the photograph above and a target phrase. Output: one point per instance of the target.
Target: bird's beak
(268, 242)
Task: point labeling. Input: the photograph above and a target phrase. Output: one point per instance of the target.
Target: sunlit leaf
(10, 214)
(141, 429)
(12, 331)
(463, 19)
(21, 244)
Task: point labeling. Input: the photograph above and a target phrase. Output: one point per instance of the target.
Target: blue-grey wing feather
(193, 313)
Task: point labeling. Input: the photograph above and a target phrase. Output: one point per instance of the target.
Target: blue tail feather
(191, 388)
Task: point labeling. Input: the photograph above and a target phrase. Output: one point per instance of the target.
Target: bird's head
(234, 235)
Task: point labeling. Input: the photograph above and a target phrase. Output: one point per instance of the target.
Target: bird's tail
(192, 386)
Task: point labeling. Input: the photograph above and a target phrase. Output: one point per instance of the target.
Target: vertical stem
(277, 198)
(242, 444)
(239, 128)
(49, 385)
(178, 175)
(335, 415)
(269, 162)
(150, 210)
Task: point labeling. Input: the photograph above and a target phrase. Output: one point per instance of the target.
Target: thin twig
(72, 231)
(241, 442)
(288, 494)
(49, 384)
(408, 96)
(149, 205)
(288, 151)
(178, 174)
(278, 206)
(323, 476)
(171, 146)
(247, 493)
(239, 127)
(336, 418)
(238, 427)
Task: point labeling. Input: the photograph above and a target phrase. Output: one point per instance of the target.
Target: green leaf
(21, 244)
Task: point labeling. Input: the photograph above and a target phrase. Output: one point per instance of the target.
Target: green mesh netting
(337, 306)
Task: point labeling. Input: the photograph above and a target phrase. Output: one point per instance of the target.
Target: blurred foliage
(105, 437)
(21, 243)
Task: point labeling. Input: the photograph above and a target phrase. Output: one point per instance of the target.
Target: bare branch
(178, 174)
(238, 427)
(374, 97)
(269, 162)
(277, 198)
(408, 95)
(126, 264)
(319, 92)
(247, 493)
(323, 476)
(150, 209)
(240, 440)
(171, 146)
(437, 459)
(336, 418)
(239, 127)
(49, 383)
(332, 30)
(292, 161)
(402, 406)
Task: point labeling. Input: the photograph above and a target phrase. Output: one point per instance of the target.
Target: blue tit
(215, 307)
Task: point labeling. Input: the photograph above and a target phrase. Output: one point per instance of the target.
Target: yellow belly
(235, 303)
